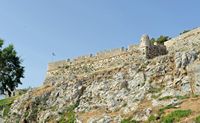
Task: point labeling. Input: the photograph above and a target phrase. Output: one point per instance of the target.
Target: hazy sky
(72, 28)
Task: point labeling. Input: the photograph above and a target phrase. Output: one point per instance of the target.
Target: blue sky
(72, 28)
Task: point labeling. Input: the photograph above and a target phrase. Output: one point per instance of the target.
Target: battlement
(111, 52)
(145, 48)
(99, 55)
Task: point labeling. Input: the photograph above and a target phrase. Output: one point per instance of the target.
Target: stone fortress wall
(155, 50)
(99, 56)
(110, 60)
(145, 49)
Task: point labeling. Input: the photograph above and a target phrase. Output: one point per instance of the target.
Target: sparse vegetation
(33, 113)
(152, 119)
(155, 96)
(197, 119)
(178, 97)
(68, 116)
(185, 31)
(183, 97)
(26, 114)
(5, 105)
(161, 111)
(166, 98)
(7, 101)
(129, 120)
(6, 110)
(154, 90)
(195, 96)
(175, 116)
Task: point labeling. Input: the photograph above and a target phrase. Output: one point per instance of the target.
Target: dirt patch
(85, 116)
(192, 104)
(42, 90)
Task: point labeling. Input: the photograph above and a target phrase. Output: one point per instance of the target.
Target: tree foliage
(11, 70)
(160, 39)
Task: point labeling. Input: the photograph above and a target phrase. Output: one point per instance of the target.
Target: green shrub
(6, 110)
(151, 119)
(195, 96)
(154, 90)
(161, 111)
(7, 101)
(160, 39)
(178, 97)
(175, 116)
(183, 97)
(152, 40)
(62, 119)
(166, 98)
(197, 119)
(163, 39)
(5, 105)
(26, 114)
(129, 121)
(32, 115)
(68, 116)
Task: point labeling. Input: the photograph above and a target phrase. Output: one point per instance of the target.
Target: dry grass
(44, 89)
(85, 116)
(38, 92)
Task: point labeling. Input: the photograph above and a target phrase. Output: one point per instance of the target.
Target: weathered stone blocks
(151, 50)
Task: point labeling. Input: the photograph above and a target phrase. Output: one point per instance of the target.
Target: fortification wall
(132, 47)
(155, 50)
(112, 52)
(98, 56)
(82, 58)
(102, 57)
(83, 65)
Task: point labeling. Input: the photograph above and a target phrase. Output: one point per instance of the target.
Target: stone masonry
(151, 50)
(105, 59)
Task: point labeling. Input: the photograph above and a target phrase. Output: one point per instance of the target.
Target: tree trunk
(9, 94)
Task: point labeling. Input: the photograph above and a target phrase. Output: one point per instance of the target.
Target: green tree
(162, 39)
(152, 40)
(11, 70)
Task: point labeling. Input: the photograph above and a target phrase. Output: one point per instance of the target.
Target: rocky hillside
(122, 86)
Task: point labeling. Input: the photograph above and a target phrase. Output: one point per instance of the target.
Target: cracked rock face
(113, 88)
(182, 59)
